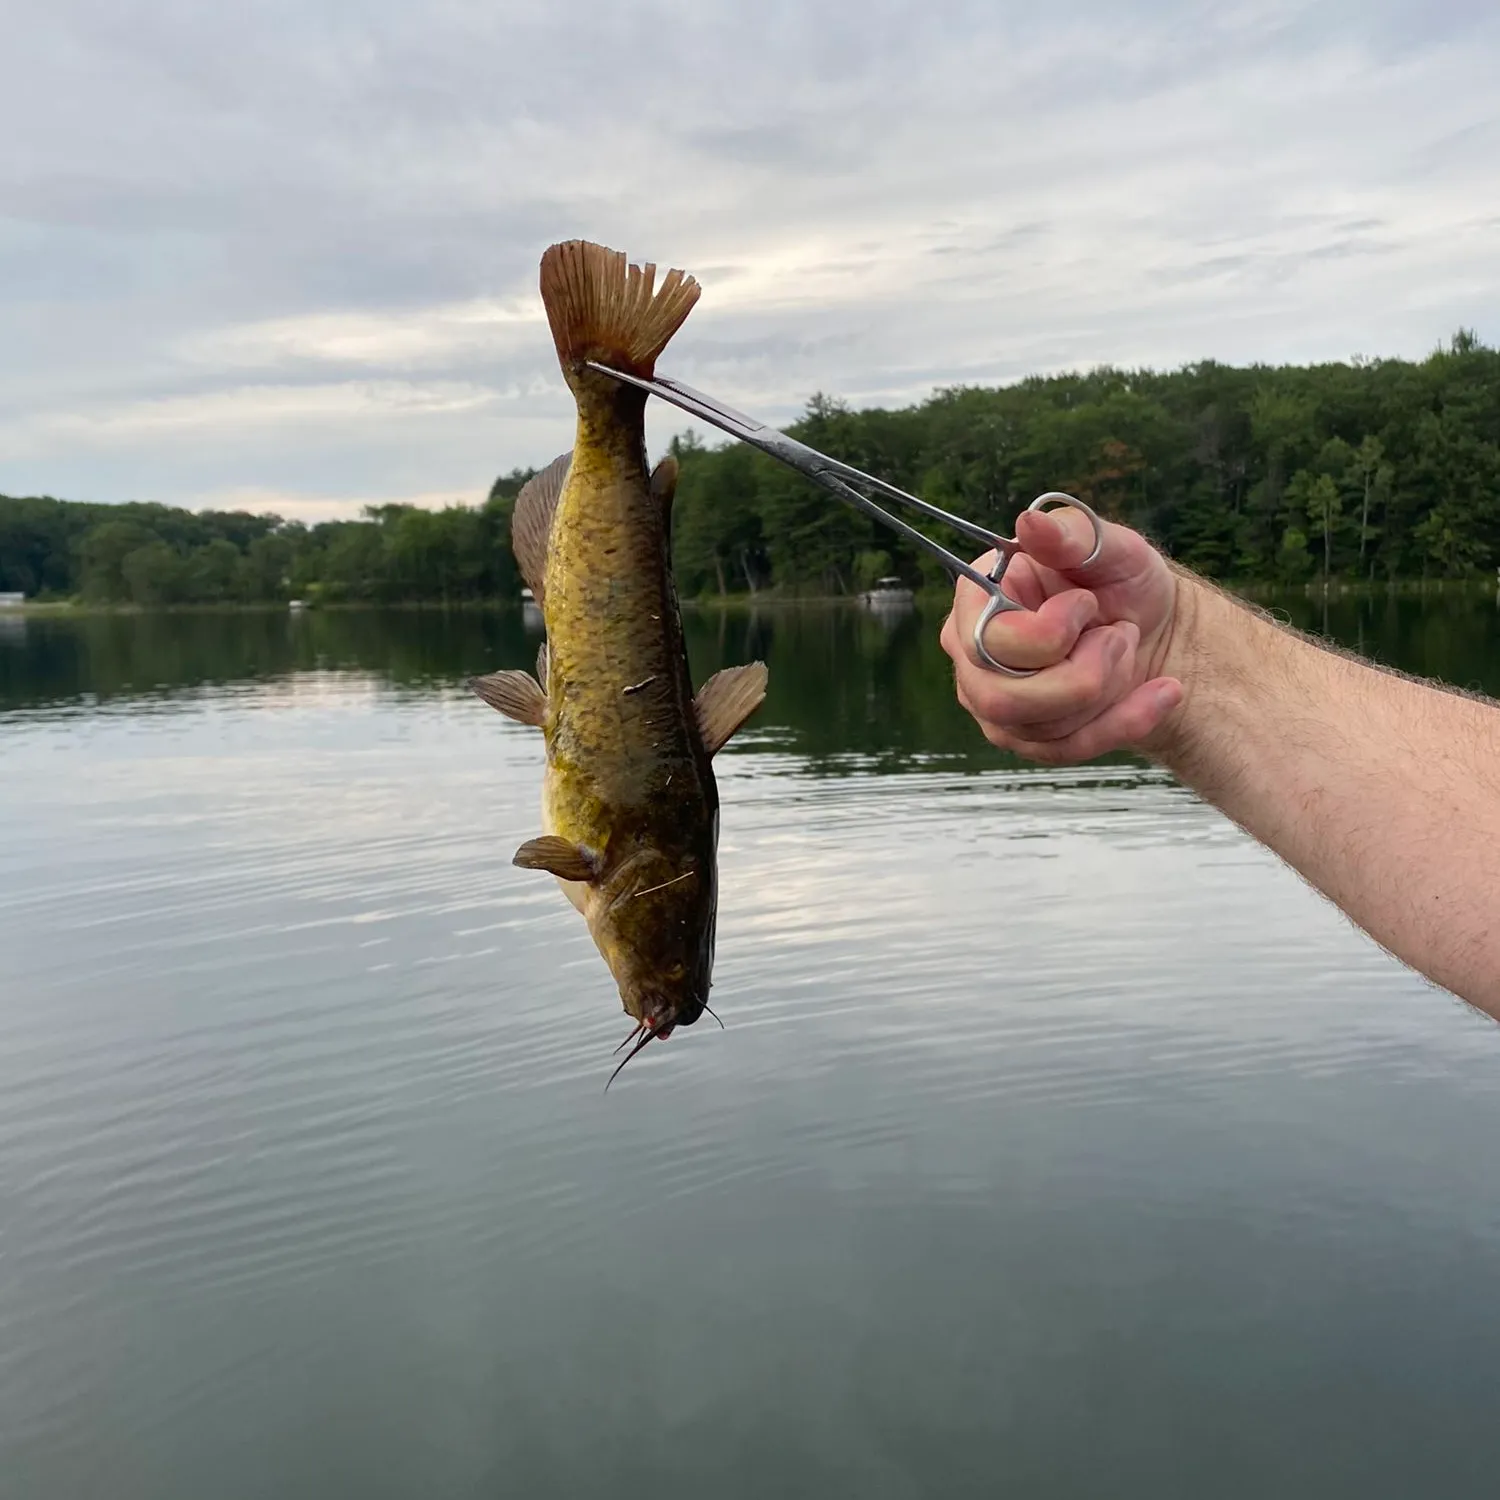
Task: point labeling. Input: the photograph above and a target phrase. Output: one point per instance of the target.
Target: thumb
(1061, 539)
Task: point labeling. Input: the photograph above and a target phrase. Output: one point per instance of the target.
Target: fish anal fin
(558, 857)
(517, 695)
(601, 307)
(531, 522)
(726, 700)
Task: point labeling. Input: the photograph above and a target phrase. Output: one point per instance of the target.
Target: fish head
(654, 923)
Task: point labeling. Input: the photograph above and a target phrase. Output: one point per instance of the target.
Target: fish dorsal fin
(601, 307)
(517, 695)
(543, 667)
(558, 857)
(531, 521)
(726, 700)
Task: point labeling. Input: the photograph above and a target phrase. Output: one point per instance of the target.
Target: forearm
(1382, 792)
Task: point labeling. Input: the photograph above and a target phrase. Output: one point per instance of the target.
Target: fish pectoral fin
(543, 665)
(517, 695)
(726, 700)
(558, 857)
(531, 522)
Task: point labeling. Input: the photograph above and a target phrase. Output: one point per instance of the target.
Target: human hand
(1100, 636)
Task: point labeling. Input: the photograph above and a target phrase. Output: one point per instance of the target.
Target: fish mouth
(662, 1014)
(657, 1026)
(644, 1033)
(685, 1013)
(662, 1023)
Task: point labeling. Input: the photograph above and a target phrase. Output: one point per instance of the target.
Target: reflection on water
(843, 680)
(1060, 1141)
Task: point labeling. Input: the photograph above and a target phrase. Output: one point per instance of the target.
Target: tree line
(1372, 469)
(159, 555)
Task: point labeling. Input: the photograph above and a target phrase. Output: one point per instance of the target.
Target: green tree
(154, 574)
(264, 571)
(353, 562)
(717, 537)
(1293, 561)
(103, 551)
(1374, 478)
(211, 572)
(1315, 497)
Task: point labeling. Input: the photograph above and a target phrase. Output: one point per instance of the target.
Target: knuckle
(1058, 700)
(1060, 638)
(1049, 733)
(1078, 526)
(997, 704)
(1020, 641)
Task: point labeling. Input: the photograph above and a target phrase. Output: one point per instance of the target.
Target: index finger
(1023, 638)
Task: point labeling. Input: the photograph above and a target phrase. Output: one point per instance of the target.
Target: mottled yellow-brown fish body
(630, 809)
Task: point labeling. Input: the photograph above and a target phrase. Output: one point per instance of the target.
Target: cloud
(302, 506)
(423, 337)
(290, 248)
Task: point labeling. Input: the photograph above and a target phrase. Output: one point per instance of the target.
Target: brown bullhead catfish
(630, 811)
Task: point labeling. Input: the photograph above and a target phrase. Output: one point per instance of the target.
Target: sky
(282, 255)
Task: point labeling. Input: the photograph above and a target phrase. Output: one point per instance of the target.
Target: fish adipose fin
(531, 521)
(517, 695)
(726, 700)
(664, 482)
(663, 488)
(601, 307)
(558, 857)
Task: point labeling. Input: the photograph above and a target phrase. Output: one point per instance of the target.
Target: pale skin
(1381, 791)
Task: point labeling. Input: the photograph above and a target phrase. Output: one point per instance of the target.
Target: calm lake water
(1060, 1142)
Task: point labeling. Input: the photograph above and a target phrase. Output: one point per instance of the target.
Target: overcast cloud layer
(283, 254)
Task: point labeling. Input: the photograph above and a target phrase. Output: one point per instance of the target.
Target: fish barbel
(630, 810)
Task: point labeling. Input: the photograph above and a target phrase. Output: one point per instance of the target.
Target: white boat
(888, 593)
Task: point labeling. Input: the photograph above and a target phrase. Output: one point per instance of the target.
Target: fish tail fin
(600, 307)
